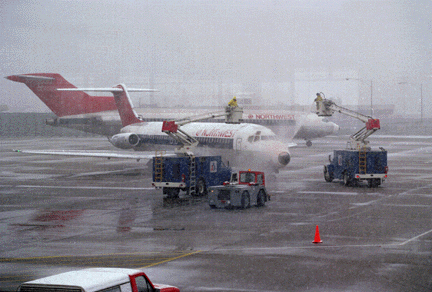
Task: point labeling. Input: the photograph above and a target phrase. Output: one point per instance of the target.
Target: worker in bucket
(317, 99)
(233, 102)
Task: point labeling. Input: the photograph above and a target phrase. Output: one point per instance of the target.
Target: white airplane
(249, 145)
(99, 115)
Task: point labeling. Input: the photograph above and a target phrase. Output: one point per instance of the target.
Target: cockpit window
(268, 137)
(257, 138)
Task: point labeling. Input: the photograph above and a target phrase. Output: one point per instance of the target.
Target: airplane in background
(99, 115)
(243, 144)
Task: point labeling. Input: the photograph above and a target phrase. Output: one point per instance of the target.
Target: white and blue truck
(190, 174)
(353, 166)
(358, 162)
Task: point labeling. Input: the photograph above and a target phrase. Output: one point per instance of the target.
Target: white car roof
(92, 279)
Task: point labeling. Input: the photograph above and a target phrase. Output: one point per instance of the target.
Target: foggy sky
(285, 50)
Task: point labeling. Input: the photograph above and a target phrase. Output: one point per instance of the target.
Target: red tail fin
(128, 115)
(63, 103)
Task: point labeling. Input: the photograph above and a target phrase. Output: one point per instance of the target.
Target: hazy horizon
(205, 52)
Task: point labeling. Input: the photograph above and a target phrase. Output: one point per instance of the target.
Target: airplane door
(238, 144)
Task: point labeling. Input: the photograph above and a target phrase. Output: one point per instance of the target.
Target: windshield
(247, 177)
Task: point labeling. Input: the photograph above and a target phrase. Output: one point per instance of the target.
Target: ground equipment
(187, 172)
(190, 174)
(244, 189)
(96, 280)
(358, 162)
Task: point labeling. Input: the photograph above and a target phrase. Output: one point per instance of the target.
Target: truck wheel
(171, 193)
(327, 175)
(245, 200)
(374, 182)
(261, 198)
(201, 188)
(346, 179)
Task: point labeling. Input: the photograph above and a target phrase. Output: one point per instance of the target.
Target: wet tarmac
(61, 213)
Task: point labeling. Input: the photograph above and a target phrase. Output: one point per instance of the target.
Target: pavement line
(330, 193)
(415, 237)
(76, 256)
(226, 289)
(170, 259)
(320, 246)
(328, 246)
(84, 187)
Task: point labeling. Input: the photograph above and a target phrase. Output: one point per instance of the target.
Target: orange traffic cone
(317, 236)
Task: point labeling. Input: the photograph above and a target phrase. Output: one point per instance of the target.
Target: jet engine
(284, 158)
(125, 140)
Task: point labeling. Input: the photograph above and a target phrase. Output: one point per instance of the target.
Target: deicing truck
(358, 162)
(353, 166)
(190, 174)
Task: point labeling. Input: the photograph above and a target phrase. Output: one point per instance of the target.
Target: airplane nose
(284, 158)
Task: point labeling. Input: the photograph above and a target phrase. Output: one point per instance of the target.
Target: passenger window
(126, 287)
(142, 284)
(260, 179)
(111, 289)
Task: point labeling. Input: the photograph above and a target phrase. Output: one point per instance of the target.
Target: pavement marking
(321, 245)
(326, 246)
(171, 259)
(226, 289)
(83, 187)
(90, 256)
(415, 237)
(407, 205)
(330, 193)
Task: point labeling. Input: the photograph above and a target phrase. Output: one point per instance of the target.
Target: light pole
(371, 91)
(421, 99)
(421, 102)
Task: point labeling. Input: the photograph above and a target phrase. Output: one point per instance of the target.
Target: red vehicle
(97, 279)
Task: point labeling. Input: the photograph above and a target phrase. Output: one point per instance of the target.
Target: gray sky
(286, 50)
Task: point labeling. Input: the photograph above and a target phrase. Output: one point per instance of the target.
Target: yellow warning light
(249, 169)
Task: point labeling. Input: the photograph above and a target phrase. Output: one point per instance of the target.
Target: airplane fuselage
(252, 143)
(98, 114)
(287, 125)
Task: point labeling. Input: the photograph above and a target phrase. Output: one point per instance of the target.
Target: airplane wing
(99, 154)
(109, 89)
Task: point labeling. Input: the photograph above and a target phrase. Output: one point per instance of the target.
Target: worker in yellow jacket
(233, 102)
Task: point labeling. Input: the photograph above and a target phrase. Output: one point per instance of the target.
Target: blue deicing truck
(190, 174)
(353, 166)
(358, 162)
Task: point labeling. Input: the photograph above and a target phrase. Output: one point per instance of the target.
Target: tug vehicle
(358, 162)
(244, 189)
